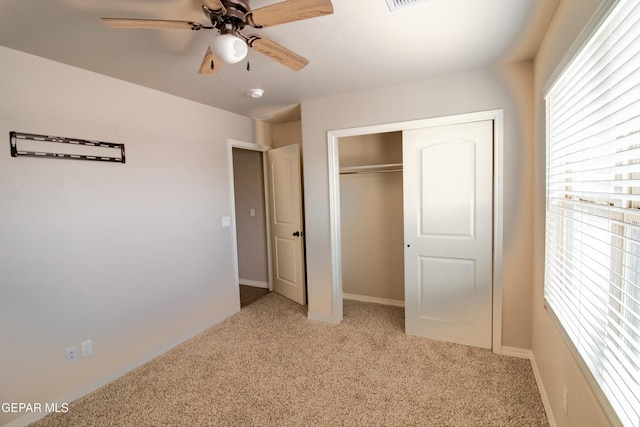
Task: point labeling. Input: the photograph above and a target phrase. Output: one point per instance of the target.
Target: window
(592, 243)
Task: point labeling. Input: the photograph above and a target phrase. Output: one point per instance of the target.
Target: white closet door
(448, 232)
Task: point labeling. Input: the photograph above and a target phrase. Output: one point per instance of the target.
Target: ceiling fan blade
(277, 52)
(210, 63)
(289, 11)
(151, 23)
(214, 6)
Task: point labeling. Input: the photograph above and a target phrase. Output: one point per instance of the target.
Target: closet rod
(364, 172)
(392, 167)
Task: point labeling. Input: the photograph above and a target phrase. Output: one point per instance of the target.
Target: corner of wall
(264, 133)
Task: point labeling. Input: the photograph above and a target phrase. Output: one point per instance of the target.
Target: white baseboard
(254, 283)
(528, 354)
(83, 391)
(364, 298)
(521, 353)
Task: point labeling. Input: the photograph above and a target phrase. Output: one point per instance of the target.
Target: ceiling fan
(229, 17)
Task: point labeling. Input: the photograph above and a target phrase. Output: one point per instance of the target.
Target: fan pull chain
(248, 66)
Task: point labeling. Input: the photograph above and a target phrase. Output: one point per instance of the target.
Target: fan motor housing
(234, 15)
(237, 9)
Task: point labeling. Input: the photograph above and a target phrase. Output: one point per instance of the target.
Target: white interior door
(287, 236)
(448, 232)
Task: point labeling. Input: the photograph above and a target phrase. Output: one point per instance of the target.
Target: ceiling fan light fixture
(231, 49)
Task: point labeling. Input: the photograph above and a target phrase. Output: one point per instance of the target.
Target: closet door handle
(298, 234)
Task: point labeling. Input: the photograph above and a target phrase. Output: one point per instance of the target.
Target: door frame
(231, 144)
(333, 137)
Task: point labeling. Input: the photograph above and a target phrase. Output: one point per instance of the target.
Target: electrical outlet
(72, 354)
(87, 348)
(565, 399)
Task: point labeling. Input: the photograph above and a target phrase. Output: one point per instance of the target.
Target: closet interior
(371, 217)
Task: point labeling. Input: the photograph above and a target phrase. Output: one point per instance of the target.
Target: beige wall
(510, 89)
(557, 366)
(286, 133)
(251, 231)
(132, 256)
(278, 134)
(371, 218)
(264, 133)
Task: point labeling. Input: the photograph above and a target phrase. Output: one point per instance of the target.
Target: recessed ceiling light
(255, 93)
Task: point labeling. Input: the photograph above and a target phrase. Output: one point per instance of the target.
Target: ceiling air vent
(399, 4)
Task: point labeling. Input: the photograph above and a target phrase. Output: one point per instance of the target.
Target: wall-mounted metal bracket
(32, 145)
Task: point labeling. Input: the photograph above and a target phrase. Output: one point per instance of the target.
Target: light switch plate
(87, 348)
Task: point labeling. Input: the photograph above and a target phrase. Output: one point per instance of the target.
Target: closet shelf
(388, 167)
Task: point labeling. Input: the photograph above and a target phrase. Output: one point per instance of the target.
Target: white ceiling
(361, 46)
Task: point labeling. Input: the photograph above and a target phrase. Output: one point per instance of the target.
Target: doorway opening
(371, 218)
(334, 137)
(266, 207)
(250, 231)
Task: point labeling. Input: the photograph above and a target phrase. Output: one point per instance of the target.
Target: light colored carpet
(270, 366)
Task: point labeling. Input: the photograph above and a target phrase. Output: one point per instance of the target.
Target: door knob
(298, 233)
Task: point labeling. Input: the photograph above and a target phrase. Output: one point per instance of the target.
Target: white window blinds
(592, 267)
